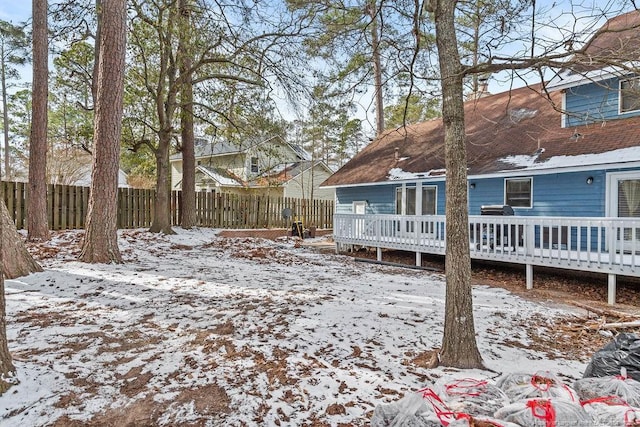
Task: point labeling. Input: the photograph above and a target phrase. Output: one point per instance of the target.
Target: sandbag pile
(518, 399)
(607, 396)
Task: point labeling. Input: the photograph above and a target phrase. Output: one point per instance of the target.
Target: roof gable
(206, 149)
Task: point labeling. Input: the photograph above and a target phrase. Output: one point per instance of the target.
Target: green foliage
(14, 48)
(328, 133)
(411, 109)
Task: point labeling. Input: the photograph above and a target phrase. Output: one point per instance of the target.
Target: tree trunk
(5, 118)
(459, 347)
(372, 10)
(162, 212)
(7, 370)
(96, 53)
(101, 237)
(16, 260)
(188, 206)
(37, 226)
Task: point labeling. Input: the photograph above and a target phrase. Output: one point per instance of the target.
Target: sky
(15, 11)
(281, 333)
(19, 11)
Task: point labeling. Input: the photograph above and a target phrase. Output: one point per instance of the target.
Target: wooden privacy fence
(222, 210)
(67, 208)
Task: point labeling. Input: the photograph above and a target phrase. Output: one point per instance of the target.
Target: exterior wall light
(472, 185)
(590, 180)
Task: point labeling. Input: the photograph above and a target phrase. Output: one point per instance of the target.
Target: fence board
(67, 208)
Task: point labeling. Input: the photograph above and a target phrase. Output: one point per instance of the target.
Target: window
(629, 198)
(428, 200)
(409, 201)
(517, 192)
(630, 95)
(359, 207)
(254, 165)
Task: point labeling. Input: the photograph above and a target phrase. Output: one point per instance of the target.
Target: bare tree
(101, 238)
(187, 142)
(459, 347)
(37, 226)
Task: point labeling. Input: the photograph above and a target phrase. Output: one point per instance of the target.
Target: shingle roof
(509, 131)
(619, 36)
(616, 42)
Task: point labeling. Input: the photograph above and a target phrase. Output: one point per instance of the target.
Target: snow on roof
(531, 162)
(221, 176)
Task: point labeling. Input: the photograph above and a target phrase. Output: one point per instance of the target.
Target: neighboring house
(85, 179)
(521, 151)
(72, 166)
(271, 167)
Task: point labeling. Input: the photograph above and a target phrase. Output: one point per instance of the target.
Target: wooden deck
(602, 245)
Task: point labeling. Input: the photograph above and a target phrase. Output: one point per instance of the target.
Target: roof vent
(576, 136)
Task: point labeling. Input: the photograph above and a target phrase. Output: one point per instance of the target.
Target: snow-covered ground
(201, 330)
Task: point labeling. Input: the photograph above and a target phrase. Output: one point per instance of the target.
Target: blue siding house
(523, 150)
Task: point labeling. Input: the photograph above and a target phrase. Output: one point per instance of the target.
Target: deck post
(418, 259)
(529, 269)
(379, 253)
(611, 293)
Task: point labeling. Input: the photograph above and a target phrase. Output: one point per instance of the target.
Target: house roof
(280, 174)
(612, 50)
(508, 132)
(617, 39)
(221, 176)
(205, 148)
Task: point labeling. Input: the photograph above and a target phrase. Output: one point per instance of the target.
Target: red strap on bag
(544, 384)
(629, 421)
(466, 387)
(543, 410)
(608, 400)
(541, 383)
(444, 414)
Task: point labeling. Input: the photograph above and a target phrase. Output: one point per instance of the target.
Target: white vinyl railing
(605, 245)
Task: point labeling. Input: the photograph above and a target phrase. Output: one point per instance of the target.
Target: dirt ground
(577, 336)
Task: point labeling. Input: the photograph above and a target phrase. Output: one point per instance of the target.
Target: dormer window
(254, 165)
(630, 95)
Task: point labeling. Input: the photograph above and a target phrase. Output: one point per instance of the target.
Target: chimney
(482, 89)
(483, 86)
(397, 157)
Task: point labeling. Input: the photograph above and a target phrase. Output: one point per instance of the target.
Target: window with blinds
(518, 192)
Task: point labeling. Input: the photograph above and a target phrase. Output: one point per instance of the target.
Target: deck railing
(604, 245)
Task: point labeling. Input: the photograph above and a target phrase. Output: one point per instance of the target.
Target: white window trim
(435, 187)
(257, 164)
(402, 189)
(563, 114)
(620, 95)
(611, 205)
(359, 203)
(530, 178)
